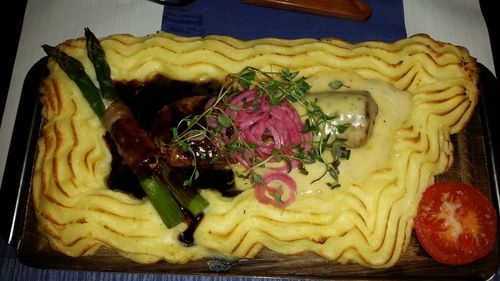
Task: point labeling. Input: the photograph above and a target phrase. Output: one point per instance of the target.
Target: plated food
(384, 112)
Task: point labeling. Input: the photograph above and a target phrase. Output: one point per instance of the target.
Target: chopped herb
(254, 107)
(289, 75)
(247, 77)
(342, 127)
(257, 179)
(335, 84)
(175, 133)
(277, 197)
(303, 170)
(234, 107)
(333, 185)
(224, 120)
(214, 159)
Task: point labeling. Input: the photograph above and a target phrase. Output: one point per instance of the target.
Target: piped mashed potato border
(367, 222)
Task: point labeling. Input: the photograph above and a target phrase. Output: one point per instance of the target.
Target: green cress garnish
(279, 86)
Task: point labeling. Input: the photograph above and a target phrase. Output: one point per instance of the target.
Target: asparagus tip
(49, 50)
(89, 34)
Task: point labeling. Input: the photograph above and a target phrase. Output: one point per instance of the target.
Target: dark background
(12, 22)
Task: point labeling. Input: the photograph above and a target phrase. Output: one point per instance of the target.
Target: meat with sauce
(355, 109)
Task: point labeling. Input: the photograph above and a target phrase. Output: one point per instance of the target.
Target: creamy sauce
(394, 108)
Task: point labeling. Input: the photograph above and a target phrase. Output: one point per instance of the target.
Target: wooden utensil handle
(346, 9)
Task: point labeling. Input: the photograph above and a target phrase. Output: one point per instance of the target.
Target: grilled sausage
(354, 108)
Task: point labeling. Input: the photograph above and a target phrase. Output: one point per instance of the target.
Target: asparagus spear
(96, 54)
(77, 73)
(132, 141)
(188, 198)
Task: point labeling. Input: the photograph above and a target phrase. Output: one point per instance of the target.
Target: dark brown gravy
(146, 99)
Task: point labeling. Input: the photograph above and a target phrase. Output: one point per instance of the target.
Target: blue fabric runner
(245, 21)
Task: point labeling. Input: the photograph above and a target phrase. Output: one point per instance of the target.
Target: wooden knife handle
(346, 9)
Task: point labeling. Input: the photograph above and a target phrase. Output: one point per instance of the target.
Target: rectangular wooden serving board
(474, 164)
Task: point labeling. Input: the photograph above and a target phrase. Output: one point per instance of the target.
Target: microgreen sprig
(278, 86)
(284, 85)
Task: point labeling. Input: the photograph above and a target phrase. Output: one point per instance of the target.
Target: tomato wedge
(455, 223)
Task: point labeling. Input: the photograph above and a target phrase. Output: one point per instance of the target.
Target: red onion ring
(265, 194)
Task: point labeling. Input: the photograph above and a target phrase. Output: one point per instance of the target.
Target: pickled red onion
(266, 194)
(269, 127)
